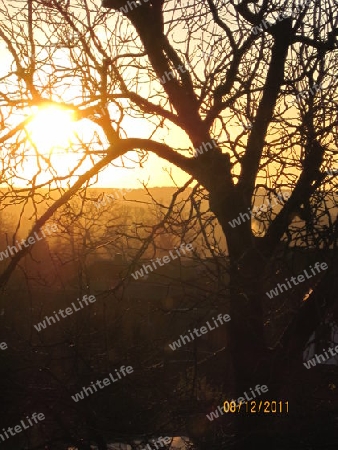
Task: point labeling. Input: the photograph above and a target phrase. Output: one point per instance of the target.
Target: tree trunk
(253, 362)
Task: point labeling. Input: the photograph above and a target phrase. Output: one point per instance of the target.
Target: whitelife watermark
(262, 208)
(108, 198)
(313, 90)
(203, 148)
(332, 172)
(300, 279)
(312, 362)
(102, 384)
(203, 330)
(19, 428)
(241, 400)
(31, 241)
(166, 260)
(169, 75)
(69, 311)
(125, 9)
(162, 441)
(283, 15)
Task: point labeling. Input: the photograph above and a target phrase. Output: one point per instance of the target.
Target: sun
(51, 127)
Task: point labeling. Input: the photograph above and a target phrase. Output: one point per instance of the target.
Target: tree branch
(274, 81)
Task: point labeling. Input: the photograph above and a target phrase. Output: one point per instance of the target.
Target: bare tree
(204, 68)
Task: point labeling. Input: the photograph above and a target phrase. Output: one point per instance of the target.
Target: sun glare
(50, 128)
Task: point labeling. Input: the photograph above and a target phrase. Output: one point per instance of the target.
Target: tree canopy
(241, 96)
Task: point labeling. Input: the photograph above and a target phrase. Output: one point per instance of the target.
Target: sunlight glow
(51, 127)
